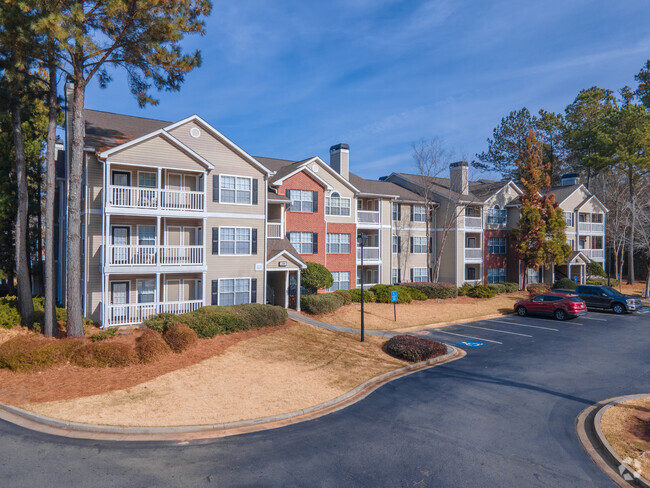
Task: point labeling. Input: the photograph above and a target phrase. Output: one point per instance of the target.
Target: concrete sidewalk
(298, 317)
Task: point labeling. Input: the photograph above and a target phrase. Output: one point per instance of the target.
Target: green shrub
(161, 322)
(180, 337)
(320, 304)
(9, 316)
(316, 277)
(368, 296)
(416, 293)
(603, 282)
(511, 287)
(345, 294)
(382, 293)
(104, 355)
(25, 353)
(481, 291)
(537, 288)
(61, 314)
(565, 283)
(595, 269)
(414, 349)
(435, 290)
(151, 346)
(464, 290)
(104, 334)
(497, 287)
(257, 315)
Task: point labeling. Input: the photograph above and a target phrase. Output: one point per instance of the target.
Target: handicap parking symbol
(471, 343)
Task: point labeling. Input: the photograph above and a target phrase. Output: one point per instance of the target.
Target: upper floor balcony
(274, 230)
(163, 255)
(369, 254)
(591, 223)
(133, 197)
(473, 218)
(368, 217)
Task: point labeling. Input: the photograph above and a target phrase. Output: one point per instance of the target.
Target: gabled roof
(274, 197)
(384, 189)
(287, 168)
(277, 247)
(592, 197)
(105, 129)
(563, 192)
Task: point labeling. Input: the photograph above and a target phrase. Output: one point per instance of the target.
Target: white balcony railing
(369, 254)
(274, 230)
(594, 253)
(473, 253)
(367, 217)
(473, 222)
(136, 313)
(154, 255)
(154, 198)
(592, 227)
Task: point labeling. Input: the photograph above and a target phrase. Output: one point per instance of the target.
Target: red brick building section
(508, 260)
(344, 262)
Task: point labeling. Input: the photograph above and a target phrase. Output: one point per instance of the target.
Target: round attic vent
(315, 168)
(194, 132)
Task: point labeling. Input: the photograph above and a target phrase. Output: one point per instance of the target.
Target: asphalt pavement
(503, 416)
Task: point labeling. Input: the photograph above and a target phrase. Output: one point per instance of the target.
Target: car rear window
(551, 298)
(575, 299)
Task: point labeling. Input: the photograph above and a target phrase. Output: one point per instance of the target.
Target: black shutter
(411, 274)
(399, 244)
(399, 275)
(254, 242)
(315, 239)
(254, 192)
(215, 292)
(430, 244)
(287, 206)
(215, 240)
(412, 245)
(315, 201)
(215, 188)
(399, 211)
(412, 207)
(254, 290)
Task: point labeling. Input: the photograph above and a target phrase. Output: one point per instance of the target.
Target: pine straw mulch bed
(69, 381)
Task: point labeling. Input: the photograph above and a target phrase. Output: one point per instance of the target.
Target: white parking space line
(497, 330)
(592, 318)
(462, 335)
(523, 325)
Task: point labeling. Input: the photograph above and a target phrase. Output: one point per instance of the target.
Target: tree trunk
(25, 303)
(50, 188)
(630, 260)
(73, 285)
(615, 264)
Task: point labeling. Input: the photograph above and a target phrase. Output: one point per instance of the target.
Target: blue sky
(288, 79)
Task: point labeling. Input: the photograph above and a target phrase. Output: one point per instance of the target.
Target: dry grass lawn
(379, 316)
(627, 429)
(287, 370)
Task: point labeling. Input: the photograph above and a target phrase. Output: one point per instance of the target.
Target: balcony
(368, 217)
(134, 197)
(274, 230)
(473, 222)
(369, 254)
(473, 253)
(591, 227)
(136, 313)
(154, 255)
(597, 254)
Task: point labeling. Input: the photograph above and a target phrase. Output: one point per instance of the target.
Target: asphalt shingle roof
(106, 129)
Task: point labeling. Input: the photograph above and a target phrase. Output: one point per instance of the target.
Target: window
(235, 189)
(533, 275)
(470, 274)
(338, 244)
(234, 240)
(147, 180)
(341, 280)
(395, 276)
(418, 213)
(302, 241)
(568, 218)
(496, 245)
(472, 212)
(497, 216)
(395, 243)
(419, 274)
(336, 205)
(571, 243)
(397, 211)
(234, 291)
(146, 235)
(471, 243)
(496, 275)
(146, 291)
(302, 201)
(419, 245)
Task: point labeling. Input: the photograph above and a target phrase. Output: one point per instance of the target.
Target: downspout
(266, 220)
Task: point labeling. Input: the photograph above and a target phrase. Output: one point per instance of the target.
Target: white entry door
(120, 296)
(121, 238)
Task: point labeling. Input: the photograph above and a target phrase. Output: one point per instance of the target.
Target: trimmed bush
(511, 287)
(368, 296)
(345, 294)
(316, 277)
(382, 293)
(603, 282)
(210, 321)
(180, 337)
(104, 334)
(104, 355)
(497, 287)
(9, 316)
(435, 290)
(565, 283)
(414, 349)
(464, 290)
(161, 322)
(537, 288)
(322, 303)
(481, 291)
(257, 315)
(25, 353)
(416, 293)
(151, 346)
(595, 269)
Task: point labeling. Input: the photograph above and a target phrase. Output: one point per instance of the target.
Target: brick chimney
(459, 177)
(340, 159)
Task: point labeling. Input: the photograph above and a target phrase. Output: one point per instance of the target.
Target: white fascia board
(289, 256)
(321, 163)
(592, 197)
(231, 145)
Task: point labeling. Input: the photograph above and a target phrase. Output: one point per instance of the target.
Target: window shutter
(412, 207)
(411, 274)
(399, 244)
(215, 188)
(315, 201)
(315, 239)
(254, 290)
(399, 275)
(399, 211)
(412, 240)
(215, 240)
(288, 194)
(254, 241)
(254, 192)
(430, 244)
(215, 292)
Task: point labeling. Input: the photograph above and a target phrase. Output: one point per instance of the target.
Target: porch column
(109, 240)
(204, 234)
(203, 280)
(286, 289)
(569, 272)
(298, 292)
(105, 296)
(158, 257)
(157, 302)
(158, 195)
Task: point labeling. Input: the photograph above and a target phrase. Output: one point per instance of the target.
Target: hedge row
(487, 291)
(9, 316)
(435, 290)
(321, 303)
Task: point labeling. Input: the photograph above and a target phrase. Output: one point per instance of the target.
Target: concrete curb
(593, 440)
(185, 434)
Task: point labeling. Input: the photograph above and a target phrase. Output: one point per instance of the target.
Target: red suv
(558, 305)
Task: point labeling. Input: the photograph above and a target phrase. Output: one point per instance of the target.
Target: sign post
(393, 298)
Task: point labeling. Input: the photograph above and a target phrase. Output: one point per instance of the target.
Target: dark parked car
(606, 297)
(558, 305)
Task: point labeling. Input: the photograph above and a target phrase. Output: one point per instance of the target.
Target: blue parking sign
(393, 296)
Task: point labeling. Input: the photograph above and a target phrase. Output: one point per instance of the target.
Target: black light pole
(609, 268)
(360, 239)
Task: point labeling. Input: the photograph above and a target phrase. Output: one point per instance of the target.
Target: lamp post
(360, 240)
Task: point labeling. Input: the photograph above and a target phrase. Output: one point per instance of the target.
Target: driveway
(502, 416)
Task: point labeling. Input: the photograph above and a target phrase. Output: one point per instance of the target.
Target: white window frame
(337, 280)
(394, 276)
(155, 179)
(418, 277)
(530, 272)
(235, 241)
(394, 211)
(155, 234)
(394, 243)
(571, 242)
(237, 177)
(117, 170)
(491, 248)
(138, 291)
(419, 213)
(419, 246)
(302, 201)
(568, 218)
(335, 196)
(329, 243)
(498, 275)
(301, 243)
(497, 216)
(234, 292)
